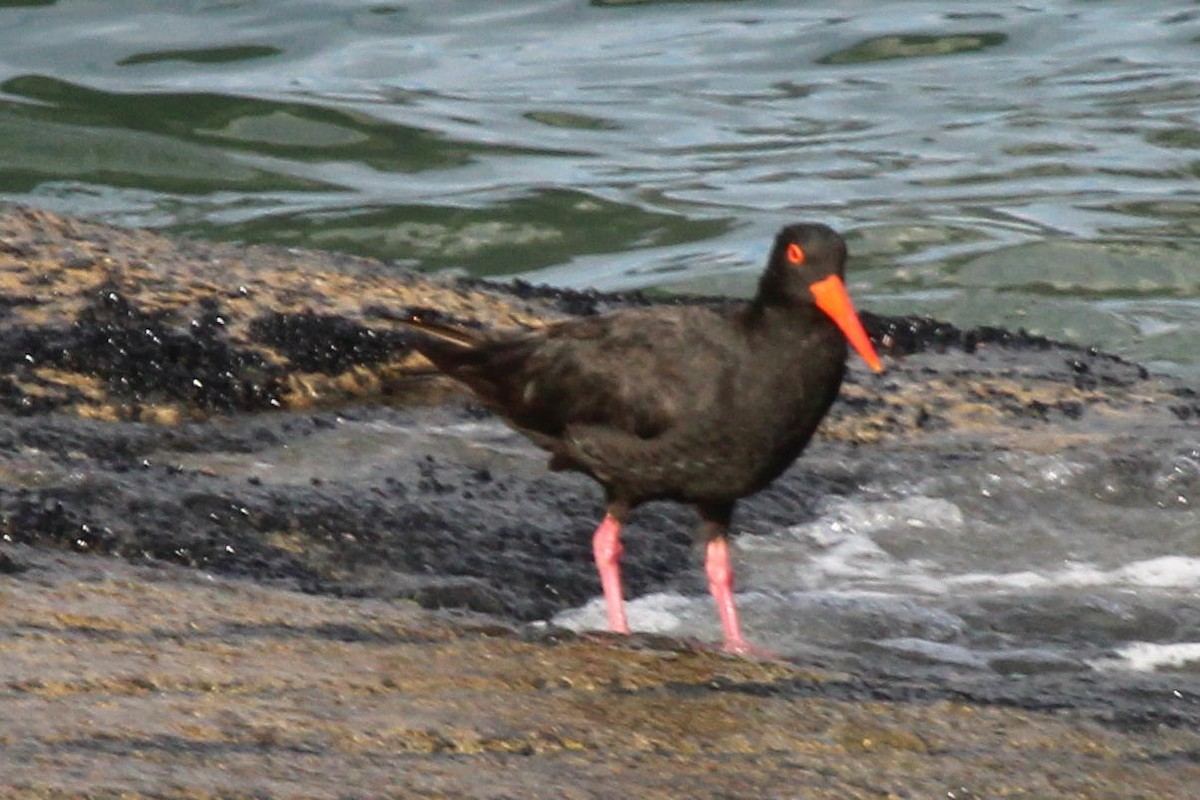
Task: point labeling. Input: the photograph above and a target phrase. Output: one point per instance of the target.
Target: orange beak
(834, 300)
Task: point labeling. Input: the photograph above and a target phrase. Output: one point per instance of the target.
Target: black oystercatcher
(686, 403)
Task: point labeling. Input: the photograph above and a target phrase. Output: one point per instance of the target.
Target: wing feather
(626, 371)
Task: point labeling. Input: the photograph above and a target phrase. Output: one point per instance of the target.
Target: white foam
(840, 515)
(791, 623)
(1163, 572)
(840, 549)
(1026, 579)
(1149, 656)
(853, 544)
(1166, 572)
(661, 612)
(1040, 472)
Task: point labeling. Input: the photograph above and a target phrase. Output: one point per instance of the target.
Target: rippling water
(1029, 165)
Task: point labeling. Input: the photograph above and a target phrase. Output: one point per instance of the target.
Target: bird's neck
(760, 315)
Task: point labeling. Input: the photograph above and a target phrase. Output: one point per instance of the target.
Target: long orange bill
(834, 300)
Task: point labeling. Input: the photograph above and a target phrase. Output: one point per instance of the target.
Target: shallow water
(1026, 563)
(1031, 165)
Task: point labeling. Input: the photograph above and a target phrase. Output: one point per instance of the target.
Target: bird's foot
(740, 647)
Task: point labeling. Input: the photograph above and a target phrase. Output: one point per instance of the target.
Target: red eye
(795, 254)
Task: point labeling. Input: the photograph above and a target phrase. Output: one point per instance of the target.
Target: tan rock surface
(119, 681)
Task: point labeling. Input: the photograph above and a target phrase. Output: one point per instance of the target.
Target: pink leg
(606, 546)
(720, 584)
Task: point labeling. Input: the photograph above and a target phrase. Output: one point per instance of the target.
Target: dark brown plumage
(686, 403)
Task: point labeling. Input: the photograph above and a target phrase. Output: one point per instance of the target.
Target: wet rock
(10, 565)
(1034, 662)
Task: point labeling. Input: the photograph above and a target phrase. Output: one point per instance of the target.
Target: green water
(1033, 166)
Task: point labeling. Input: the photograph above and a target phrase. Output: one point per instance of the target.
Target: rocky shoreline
(245, 554)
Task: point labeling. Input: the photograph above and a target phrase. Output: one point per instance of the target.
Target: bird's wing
(633, 373)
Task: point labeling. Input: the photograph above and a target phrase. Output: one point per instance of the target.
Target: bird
(692, 403)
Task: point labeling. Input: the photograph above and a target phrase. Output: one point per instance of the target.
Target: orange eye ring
(795, 254)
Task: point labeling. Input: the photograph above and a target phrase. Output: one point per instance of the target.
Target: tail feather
(485, 362)
(451, 332)
(448, 345)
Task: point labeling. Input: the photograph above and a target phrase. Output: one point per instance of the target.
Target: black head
(806, 268)
(803, 254)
